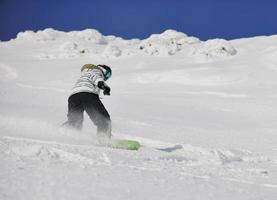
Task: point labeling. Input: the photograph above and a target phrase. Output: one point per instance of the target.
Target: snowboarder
(85, 97)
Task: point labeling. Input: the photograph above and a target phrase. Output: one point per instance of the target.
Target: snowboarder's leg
(99, 115)
(75, 115)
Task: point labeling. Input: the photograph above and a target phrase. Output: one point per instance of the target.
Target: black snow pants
(89, 102)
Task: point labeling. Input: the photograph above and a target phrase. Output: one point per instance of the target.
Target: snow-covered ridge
(90, 41)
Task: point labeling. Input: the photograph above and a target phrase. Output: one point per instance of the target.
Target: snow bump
(166, 43)
(215, 48)
(48, 34)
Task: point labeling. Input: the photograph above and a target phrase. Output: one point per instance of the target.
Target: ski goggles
(107, 75)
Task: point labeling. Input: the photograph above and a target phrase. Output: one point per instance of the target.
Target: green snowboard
(125, 144)
(121, 144)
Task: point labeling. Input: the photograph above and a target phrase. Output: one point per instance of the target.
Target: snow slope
(205, 112)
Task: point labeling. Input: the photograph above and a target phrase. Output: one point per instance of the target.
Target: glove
(106, 89)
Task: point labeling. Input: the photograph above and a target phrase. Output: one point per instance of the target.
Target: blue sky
(205, 19)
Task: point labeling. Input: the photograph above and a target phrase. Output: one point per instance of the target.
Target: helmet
(87, 66)
(107, 72)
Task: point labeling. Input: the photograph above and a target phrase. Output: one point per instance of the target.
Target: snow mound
(166, 43)
(215, 48)
(68, 49)
(48, 34)
(91, 35)
(112, 51)
(72, 49)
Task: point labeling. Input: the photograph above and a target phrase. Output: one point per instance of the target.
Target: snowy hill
(91, 42)
(205, 112)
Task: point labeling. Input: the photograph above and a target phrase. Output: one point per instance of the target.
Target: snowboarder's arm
(97, 76)
(103, 86)
(98, 80)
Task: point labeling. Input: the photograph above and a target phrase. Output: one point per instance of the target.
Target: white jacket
(88, 81)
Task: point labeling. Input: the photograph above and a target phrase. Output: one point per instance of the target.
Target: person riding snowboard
(85, 97)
